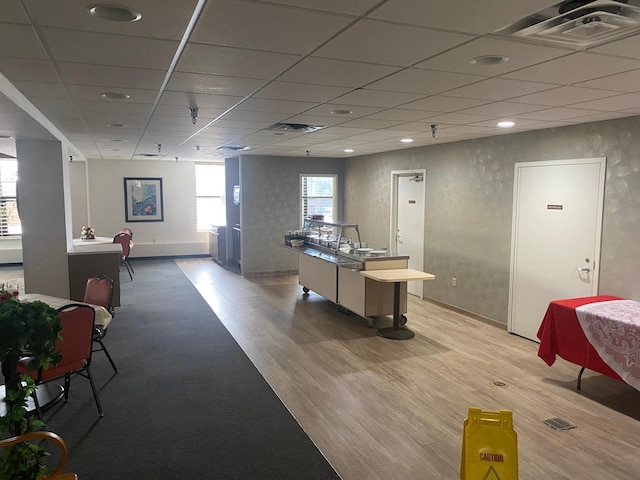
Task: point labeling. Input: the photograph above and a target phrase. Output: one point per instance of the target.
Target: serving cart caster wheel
(403, 320)
(305, 290)
(370, 322)
(341, 309)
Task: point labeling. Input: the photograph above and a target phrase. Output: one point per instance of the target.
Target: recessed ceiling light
(115, 95)
(116, 125)
(407, 140)
(114, 13)
(348, 150)
(506, 124)
(489, 60)
(341, 112)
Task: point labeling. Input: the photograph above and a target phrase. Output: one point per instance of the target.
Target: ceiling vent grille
(579, 23)
(295, 127)
(232, 148)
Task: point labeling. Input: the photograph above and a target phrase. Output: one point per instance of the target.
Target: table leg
(396, 332)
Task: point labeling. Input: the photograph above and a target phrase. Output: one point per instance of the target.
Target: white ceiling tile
(611, 104)
(388, 43)
(621, 82)
(106, 49)
(415, 80)
(326, 109)
(20, 41)
(562, 96)
(301, 92)
(443, 104)
(399, 114)
(370, 123)
(213, 84)
(91, 92)
(84, 74)
(298, 60)
(13, 12)
(237, 62)
(41, 90)
(190, 99)
(575, 68)
(627, 47)
(555, 114)
(459, 118)
(464, 16)
(499, 89)
(28, 69)
(341, 73)
(520, 55)
(377, 98)
(265, 26)
(502, 109)
(304, 118)
(159, 19)
(279, 106)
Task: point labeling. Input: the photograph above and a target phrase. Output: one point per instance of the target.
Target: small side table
(397, 276)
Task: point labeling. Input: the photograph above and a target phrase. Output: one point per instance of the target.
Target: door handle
(583, 269)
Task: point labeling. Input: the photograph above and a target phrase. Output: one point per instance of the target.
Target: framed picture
(143, 200)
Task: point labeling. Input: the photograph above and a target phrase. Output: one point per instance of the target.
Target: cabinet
(218, 244)
(319, 275)
(365, 296)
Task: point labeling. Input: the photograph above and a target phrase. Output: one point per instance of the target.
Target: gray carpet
(187, 403)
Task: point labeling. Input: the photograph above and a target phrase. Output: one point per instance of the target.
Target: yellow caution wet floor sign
(489, 446)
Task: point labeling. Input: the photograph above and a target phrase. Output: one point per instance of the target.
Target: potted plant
(31, 327)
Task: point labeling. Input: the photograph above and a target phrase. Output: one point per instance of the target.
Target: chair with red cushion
(125, 241)
(99, 291)
(128, 231)
(75, 346)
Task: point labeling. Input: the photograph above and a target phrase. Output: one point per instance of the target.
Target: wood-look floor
(382, 409)
(386, 409)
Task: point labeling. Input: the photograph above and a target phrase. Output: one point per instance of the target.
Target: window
(210, 199)
(318, 196)
(9, 220)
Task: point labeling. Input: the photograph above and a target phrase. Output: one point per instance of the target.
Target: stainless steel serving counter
(318, 271)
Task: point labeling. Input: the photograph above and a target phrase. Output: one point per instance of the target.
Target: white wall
(176, 235)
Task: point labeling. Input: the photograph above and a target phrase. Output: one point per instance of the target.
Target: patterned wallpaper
(270, 206)
(469, 194)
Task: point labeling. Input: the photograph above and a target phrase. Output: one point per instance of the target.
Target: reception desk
(89, 258)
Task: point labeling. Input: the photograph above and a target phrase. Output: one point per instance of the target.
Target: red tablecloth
(561, 334)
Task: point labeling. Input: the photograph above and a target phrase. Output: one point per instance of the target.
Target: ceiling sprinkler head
(159, 145)
(194, 114)
(434, 127)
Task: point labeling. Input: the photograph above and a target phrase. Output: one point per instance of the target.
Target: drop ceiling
(369, 72)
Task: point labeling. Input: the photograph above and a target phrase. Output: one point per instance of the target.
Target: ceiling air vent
(295, 127)
(579, 23)
(232, 148)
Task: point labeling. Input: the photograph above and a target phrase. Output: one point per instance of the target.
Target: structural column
(44, 205)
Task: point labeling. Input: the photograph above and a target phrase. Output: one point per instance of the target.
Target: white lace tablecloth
(613, 329)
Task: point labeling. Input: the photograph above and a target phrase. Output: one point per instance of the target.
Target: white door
(555, 250)
(407, 231)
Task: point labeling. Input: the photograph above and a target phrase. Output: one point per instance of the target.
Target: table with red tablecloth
(561, 334)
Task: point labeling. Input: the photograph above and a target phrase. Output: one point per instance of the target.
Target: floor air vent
(579, 23)
(558, 423)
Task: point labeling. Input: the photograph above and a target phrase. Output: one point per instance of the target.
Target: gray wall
(270, 206)
(469, 195)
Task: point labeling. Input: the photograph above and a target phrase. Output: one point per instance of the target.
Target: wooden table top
(397, 275)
